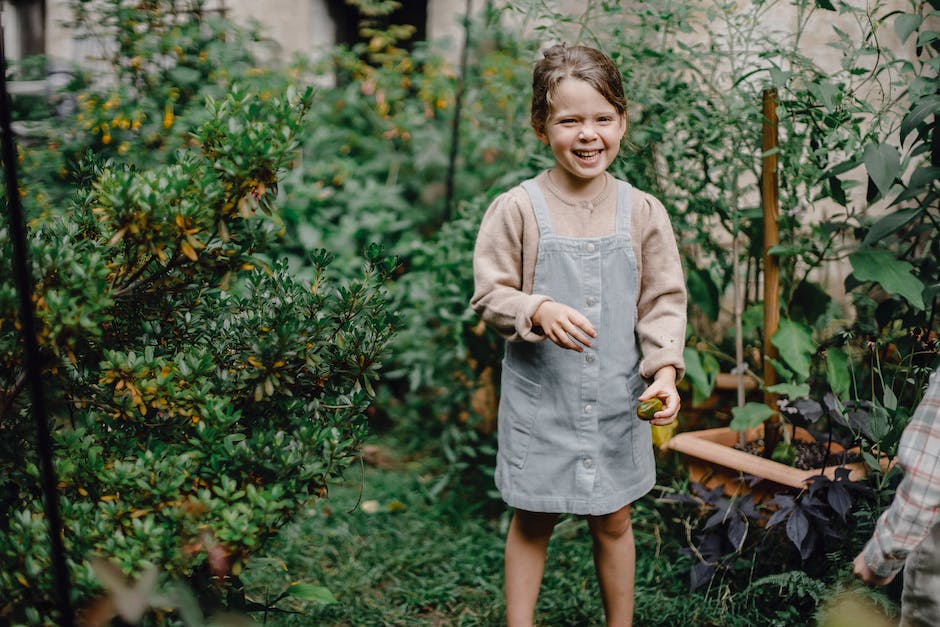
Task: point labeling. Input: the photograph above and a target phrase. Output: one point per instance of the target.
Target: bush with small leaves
(201, 394)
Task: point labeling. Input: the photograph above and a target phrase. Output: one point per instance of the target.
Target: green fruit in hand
(646, 409)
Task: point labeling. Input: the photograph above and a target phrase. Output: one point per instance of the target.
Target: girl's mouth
(587, 155)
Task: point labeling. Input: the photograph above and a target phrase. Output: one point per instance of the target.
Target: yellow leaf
(20, 578)
(194, 242)
(244, 207)
(187, 250)
(168, 115)
(117, 237)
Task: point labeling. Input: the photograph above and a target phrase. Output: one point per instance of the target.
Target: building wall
(304, 26)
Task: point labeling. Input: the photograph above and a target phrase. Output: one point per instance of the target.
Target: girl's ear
(540, 134)
(623, 125)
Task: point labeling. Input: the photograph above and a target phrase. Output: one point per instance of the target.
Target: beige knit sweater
(507, 246)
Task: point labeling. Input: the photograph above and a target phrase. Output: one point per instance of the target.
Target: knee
(534, 525)
(611, 527)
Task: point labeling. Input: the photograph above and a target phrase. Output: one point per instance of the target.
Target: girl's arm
(661, 305)
(498, 296)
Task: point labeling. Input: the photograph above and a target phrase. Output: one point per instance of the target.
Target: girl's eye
(568, 122)
(606, 120)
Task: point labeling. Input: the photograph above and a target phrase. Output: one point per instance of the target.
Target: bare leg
(615, 562)
(526, 546)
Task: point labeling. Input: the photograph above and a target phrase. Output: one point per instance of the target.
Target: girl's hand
(863, 572)
(664, 388)
(565, 326)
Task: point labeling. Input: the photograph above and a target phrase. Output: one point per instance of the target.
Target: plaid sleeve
(916, 505)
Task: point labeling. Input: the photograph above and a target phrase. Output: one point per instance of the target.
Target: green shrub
(200, 392)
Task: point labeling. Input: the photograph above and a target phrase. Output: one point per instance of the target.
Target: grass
(391, 553)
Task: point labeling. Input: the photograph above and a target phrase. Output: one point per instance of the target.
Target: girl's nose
(587, 133)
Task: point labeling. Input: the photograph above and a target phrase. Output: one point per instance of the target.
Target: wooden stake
(769, 186)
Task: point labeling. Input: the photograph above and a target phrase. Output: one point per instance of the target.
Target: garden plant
(201, 393)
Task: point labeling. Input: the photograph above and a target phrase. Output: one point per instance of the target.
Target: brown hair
(582, 62)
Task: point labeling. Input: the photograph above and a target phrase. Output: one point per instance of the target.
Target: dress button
(590, 358)
(590, 248)
(588, 462)
(591, 301)
(588, 408)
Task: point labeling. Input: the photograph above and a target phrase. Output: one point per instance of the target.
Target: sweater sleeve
(661, 307)
(498, 295)
(916, 505)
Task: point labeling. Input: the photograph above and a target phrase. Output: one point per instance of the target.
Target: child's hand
(565, 326)
(664, 388)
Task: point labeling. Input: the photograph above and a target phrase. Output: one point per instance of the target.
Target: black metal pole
(455, 122)
(33, 359)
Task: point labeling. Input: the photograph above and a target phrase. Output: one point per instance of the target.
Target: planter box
(713, 461)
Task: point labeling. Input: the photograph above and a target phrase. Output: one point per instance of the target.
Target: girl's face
(584, 131)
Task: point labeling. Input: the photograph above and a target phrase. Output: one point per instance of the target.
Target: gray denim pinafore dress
(569, 437)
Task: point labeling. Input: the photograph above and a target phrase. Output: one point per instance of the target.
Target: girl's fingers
(570, 335)
(669, 410)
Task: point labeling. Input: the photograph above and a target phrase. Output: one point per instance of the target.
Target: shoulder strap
(624, 207)
(539, 205)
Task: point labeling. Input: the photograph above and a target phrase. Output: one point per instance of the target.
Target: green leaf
(790, 390)
(889, 399)
(779, 77)
(749, 416)
(310, 592)
(883, 162)
(700, 371)
(923, 107)
(923, 177)
(703, 292)
(784, 452)
(878, 423)
(907, 23)
(889, 224)
(893, 274)
(837, 372)
(785, 250)
(796, 345)
(825, 4)
(808, 302)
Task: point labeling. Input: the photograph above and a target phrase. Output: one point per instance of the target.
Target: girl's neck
(577, 189)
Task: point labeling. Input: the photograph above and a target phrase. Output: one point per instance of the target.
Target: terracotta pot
(712, 461)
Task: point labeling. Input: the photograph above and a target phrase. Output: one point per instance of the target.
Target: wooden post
(769, 186)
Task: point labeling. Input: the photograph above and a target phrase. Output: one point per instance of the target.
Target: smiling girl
(589, 263)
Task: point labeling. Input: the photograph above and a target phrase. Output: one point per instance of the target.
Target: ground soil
(809, 455)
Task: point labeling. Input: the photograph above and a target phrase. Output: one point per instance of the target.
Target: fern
(794, 583)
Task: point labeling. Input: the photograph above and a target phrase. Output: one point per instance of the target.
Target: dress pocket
(517, 408)
(642, 434)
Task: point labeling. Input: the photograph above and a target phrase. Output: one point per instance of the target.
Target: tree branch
(9, 395)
